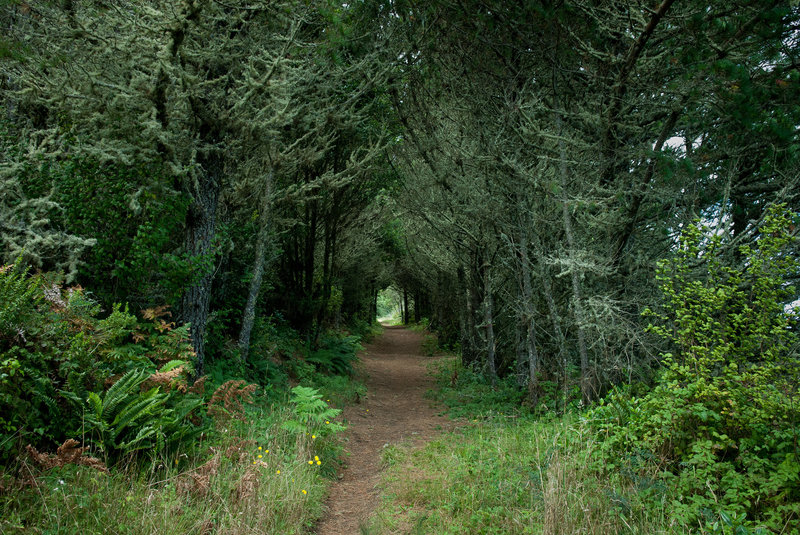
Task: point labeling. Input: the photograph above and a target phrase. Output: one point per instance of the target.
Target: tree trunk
(577, 300)
(530, 320)
(262, 240)
(405, 307)
(201, 221)
(489, 323)
(467, 322)
(308, 268)
(560, 340)
(519, 348)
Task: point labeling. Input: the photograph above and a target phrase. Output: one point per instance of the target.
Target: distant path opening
(394, 411)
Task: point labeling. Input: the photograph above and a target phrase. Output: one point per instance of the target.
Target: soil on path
(394, 411)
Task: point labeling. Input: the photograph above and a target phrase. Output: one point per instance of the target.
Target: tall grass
(505, 471)
(254, 478)
(513, 475)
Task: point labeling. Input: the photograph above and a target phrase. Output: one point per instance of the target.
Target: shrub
(312, 415)
(65, 372)
(721, 420)
(336, 355)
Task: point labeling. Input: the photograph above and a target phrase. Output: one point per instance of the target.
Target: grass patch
(253, 478)
(513, 475)
(467, 394)
(250, 476)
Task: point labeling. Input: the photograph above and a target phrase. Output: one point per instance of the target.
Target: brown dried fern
(167, 380)
(199, 386)
(70, 452)
(229, 399)
(156, 312)
(247, 486)
(240, 451)
(198, 481)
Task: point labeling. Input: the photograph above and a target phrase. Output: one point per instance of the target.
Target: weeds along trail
(394, 411)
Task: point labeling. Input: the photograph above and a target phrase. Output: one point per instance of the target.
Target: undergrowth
(513, 475)
(252, 476)
(710, 448)
(104, 429)
(471, 395)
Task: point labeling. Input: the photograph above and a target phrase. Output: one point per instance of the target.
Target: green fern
(337, 355)
(141, 407)
(18, 297)
(312, 414)
(124, 419)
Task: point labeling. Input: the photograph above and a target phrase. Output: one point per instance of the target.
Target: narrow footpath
(394, 411)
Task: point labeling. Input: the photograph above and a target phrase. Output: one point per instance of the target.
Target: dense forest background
(575, 196)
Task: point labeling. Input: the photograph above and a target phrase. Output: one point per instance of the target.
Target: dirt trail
(394, 411)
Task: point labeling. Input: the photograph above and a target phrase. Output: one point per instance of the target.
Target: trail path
(394, 411)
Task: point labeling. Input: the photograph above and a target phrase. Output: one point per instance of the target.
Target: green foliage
(60, 369)
(471, 395)
(387, 303)
(134, 219)
(365, 330)
(127, 418)
(19, 296)
(721, 419)
(28, 220)
(336, 355)
(312, 415)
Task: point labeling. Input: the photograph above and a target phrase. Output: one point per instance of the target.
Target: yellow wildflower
(277, 471)
(310, 462)
(304, 491)
(316, 458)
(259, 455)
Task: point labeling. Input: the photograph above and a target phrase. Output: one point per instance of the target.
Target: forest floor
(395, 411)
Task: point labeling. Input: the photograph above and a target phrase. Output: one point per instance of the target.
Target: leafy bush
(721, 420)
(470, 394)
(336, 355)
(312, 415)
(59, 360)
(127, 418)
(134, 218)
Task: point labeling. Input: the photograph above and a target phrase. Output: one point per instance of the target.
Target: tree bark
(489, 323)
(201, 221)
(467, 322)
(262, 240)
(530, 321)
(577, 299)
(405, 306)
(560, 340)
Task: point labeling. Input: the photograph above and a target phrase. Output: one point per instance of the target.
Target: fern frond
(171, 365)
(139, 408)
(120, 391)
(96, 404)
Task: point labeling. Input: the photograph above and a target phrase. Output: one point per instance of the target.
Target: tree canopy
(524, 174)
